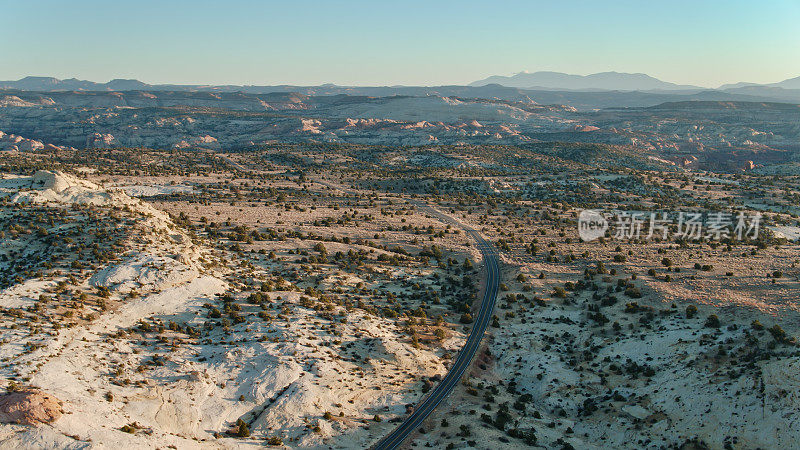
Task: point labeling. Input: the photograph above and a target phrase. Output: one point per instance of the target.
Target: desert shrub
(712, 321)
(778, 334)
(242, 429)
(589, 406)
(503, 417)
(609, 300)
(691, 311)
(633, 292)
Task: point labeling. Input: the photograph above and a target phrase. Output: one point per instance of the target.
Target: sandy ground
(646, 376)
(117, 365)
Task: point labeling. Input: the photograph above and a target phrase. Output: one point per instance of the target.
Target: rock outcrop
(29, 406)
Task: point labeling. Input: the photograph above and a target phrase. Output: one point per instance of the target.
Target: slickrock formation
(29, 406)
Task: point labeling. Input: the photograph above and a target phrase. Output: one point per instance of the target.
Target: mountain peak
(35, 83)
(121, 84)
(35, 79)
(612, 81)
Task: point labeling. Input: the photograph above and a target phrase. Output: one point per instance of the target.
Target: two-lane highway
(462, 362)
(464, 358)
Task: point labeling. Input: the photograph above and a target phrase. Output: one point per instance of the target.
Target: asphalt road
(464, 358)
(462, 362)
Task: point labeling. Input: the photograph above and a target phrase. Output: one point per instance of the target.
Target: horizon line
(253, 84)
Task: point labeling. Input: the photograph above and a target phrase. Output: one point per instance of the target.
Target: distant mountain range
(611, 81)
(554, 81)
(791, 83)
(601, 90)
(72, 84)
(605, 81)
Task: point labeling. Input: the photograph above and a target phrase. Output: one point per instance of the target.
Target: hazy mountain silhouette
(608, 81)
(608, 89)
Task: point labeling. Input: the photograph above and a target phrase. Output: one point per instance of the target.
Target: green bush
(242, 429)
(712, 321)
(633, 292)
(778, 334)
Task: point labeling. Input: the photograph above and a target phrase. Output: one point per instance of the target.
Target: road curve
(449, 382)
(464, 358)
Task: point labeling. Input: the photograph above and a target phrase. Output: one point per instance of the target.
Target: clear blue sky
(408, 42)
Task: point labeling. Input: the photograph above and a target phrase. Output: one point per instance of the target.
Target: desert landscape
(311, 296)
(364, 225)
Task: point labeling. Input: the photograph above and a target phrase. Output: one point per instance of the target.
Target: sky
(302, 42)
